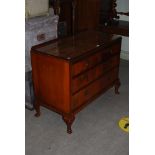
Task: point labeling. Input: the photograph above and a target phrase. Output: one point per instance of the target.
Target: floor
(95, 129)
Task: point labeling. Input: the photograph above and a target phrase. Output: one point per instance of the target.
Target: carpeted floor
(95, 129)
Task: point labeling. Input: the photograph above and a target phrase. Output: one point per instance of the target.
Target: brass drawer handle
(87, 64)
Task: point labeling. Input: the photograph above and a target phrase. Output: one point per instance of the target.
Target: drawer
(89, 62)
(93, 89)
(87, 77)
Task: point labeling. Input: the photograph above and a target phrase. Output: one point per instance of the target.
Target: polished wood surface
(92, 74)
(69, 73)
(56, 92)
(76, 46)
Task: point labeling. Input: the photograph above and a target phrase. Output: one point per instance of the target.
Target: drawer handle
(87, 64)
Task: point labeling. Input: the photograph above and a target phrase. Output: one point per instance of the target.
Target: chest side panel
(51, 78)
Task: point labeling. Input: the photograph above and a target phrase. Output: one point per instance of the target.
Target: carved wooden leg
(37, 108)
(117, 85)
(69, 120)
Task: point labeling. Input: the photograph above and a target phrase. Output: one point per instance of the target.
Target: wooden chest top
(76, 46)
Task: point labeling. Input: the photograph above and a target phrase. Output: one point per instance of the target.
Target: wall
(123, 6)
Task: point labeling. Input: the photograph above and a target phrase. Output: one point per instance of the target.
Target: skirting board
(125, 55)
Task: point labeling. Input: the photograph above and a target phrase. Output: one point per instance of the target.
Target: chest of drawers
(69, 73)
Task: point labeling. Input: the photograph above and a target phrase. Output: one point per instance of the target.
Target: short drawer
(89, 62)
(93, 89)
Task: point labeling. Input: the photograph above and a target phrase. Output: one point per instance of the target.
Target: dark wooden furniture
(64, 8)
(119, 27)
(69, 73)
(107, 11)
(80, 15)
(86, 14)
(76, 15)
(109, 19)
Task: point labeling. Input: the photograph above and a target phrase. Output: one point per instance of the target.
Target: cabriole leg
(69, 121)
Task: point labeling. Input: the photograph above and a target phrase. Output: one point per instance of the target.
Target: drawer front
(89, 62)
(90, 75)
(93, 89)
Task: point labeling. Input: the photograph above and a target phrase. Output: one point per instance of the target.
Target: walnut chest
(71, 72)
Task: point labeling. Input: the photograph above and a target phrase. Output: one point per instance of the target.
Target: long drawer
(89, 62)
(94, 88)
(87, 77)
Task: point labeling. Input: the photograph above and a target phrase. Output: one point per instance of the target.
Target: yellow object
(124, 124)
